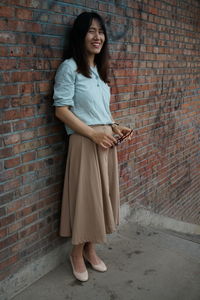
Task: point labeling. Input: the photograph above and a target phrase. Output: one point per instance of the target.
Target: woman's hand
(122, 130)
(103, 139)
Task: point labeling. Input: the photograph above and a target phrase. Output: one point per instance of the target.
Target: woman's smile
(96, 45)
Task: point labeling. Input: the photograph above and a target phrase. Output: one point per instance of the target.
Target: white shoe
(81, 276)
(101, 267)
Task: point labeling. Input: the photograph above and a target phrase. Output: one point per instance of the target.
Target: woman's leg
(77, 258)
(90, 251)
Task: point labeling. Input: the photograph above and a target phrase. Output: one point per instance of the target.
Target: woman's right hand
(103, 139)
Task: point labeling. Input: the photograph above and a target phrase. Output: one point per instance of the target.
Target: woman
(90, 205)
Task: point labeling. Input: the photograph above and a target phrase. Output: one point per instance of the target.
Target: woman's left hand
(122, 130)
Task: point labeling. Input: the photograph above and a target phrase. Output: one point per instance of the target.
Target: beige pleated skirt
(90, 204)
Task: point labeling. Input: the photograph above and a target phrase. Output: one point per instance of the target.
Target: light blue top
(87, 98)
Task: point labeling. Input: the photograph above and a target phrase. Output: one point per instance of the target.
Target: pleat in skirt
(90, 202)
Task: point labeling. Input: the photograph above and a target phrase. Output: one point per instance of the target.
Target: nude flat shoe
(81, 276)
(101, 267)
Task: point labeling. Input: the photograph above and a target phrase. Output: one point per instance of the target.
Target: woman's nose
(97, 35)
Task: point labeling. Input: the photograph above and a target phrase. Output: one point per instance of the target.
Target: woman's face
(94, 39)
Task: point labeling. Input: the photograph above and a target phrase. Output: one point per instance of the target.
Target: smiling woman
(90, 204)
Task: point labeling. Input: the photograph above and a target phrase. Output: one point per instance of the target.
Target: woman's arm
(66, 116)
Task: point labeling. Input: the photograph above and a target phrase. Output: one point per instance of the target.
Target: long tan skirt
(90, 204)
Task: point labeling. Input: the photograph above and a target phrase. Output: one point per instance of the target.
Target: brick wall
(155, 79)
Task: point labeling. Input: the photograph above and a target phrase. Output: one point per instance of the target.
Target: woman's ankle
(89, 247)
(77, 251)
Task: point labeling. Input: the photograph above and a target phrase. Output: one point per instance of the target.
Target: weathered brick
(27, 88)
(3, 232)
(11, 139)
(8, 241)
(9, 90)
(6, 152)
(28, 135)
(29, 156)
(5, 128)
(8, 262)
(5, 103)
(30, 219)
(8, 64)
(28, 231)
(11, 114)
(7, 12)
(7, 220)
(2, 211)
(23, 14)
(12, 184)
(11, 163)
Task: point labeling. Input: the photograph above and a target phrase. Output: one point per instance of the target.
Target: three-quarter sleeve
(64, 85)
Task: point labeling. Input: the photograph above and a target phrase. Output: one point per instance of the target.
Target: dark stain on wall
(166, 118)
(116, 35)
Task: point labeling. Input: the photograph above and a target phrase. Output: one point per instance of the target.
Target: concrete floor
(143, 264)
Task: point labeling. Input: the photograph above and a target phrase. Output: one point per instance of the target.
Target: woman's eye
(93, 31)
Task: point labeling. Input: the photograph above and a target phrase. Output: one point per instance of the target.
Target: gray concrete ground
(143, 264)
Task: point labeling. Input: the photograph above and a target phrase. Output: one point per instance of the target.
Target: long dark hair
(76, 46)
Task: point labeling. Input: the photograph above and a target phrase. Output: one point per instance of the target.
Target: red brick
(8, 64)
(6, 198)
(13, 25)
(28, 231)
(3, 233)
(15, 227)
(27, 88)
(6, 12)
(16, 51)
(13, 184)
(5, 103)
(30, 219)
(8, 262)
(12, 139)
(43, 87)
(27, 112)
(8, 241)
(5, 128)
(29, 178)
(11, 163)
(7, 220)
(25, 211)
(29, 156)
(2, 211)
(21, 76)
(5, 254)
(7, 37)
(21, 125)
(3, 49)
(25, 100)
(11, 114)
(26, 168)
(6, 152)
(6, 175)
(23, 14)
(33, 4)
(9, 90)
(27, 146)
(28, 135)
